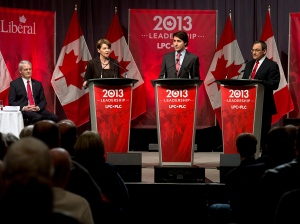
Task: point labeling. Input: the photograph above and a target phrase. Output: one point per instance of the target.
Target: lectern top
(113, 81)
(176, 82)
(238, 82)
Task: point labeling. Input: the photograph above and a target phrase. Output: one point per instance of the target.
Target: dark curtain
(95, 16)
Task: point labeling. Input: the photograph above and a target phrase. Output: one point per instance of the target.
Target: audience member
(26, 131)
(3, 146)
(226, 213)
(10, 138)
(48, 131)
(27, 192)
(75, 205)
(277, 181)
(68, 135)
(89, 151)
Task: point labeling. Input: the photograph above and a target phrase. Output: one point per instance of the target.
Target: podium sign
(111, 112)
(176, 107)
(241, 112)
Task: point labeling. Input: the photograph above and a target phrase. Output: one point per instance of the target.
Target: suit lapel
(185, 61)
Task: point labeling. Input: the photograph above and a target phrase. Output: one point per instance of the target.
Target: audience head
(26, 131)
(68, 135)
(298, 142)
(48, 132)
(28, 156)
(3, 146)
(89, 149)
(292, 131)
(10, 138)
(279, 145)
(62, 166)
(246, 145)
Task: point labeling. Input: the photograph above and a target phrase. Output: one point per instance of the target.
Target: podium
(110, 111)
(176, 110)
(241, 110)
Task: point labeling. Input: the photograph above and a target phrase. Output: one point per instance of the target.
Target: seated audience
(279, 180)
(48, 132)
(226, 213)
(89, 152)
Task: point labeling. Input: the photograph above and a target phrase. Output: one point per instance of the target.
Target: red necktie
(254, 70)
(29, 94)
(177, 63)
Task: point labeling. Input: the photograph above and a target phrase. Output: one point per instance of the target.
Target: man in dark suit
(267, 71)
(21, 91)
(185, 65)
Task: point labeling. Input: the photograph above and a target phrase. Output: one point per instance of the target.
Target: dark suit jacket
(189, 67)
(268, 72)
(94, 69)
(18, 95)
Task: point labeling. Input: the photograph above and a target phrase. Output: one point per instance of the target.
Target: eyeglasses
(256, 50)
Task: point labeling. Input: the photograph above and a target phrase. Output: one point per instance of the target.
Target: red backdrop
(151, 36)
(29, 35)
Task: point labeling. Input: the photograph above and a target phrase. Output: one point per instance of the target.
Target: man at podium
(262, 68)
(180, 63)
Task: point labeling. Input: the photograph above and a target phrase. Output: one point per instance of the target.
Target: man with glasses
(266, 70)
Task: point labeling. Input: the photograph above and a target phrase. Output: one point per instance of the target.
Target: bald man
(75, 205)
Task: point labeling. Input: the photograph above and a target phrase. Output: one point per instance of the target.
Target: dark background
(95, 16)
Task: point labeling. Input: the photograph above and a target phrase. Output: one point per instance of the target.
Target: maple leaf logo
(72, 71)
(169, 23)
(22, 19)
(221, 71)
(122, 63)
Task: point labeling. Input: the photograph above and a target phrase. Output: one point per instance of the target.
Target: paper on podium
(11, 108)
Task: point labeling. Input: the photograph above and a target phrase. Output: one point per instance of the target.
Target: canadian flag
(120, 51)
(283, 99)
(5, 80)
(227, 62)
(68, 74)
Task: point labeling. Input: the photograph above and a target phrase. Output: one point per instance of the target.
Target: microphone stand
(118, 66)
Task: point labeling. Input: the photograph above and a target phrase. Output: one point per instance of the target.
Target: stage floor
(209, 160)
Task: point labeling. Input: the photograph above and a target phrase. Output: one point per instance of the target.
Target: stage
(209, 160)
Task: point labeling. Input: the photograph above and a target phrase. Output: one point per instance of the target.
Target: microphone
(234, 68)
(165, 74)
(118, 66)
(240, 73)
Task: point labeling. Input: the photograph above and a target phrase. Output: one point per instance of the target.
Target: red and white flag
(68, 74)
(227, 63)
(5, 80)
(282, 96)
(121, 52)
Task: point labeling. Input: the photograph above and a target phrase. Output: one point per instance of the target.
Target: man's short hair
(182, 36)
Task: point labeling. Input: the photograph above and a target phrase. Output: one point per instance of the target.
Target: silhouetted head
(26, 131)
(62, 166)
(28, 156)
(68, 135)
(89, 149)
(246, 145)
(48, 132)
